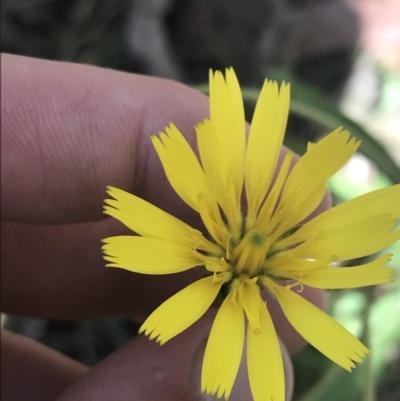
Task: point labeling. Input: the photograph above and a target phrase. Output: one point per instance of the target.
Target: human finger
(31, 371)
(144, 371)
(70, 130)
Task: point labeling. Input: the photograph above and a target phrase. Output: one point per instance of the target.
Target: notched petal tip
(153, 333)
(180, 311)
(112, 263)
(106, 241)
(110, 189)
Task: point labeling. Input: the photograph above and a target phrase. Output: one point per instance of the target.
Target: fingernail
(241, 389)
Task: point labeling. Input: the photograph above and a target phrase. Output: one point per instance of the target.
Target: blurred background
(343, 59)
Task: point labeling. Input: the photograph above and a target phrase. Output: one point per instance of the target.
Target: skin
(69, 130)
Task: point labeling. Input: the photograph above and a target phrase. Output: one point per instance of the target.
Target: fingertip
(32, 371)
(144, 370)
(65, 140)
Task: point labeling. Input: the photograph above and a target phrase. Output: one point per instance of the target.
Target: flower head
(256, 237)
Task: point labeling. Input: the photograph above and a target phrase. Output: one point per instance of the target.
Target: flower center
(257, 239)
(249, 255)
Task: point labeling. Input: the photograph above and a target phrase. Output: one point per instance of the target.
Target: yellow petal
(286, 265)
(379, 202)
(351, 241)
(319, 329)
(181, 310)
(148, 220)
(217, 228)
(264, 360)
(249, 295)
(148, 255)
(180, 165)
(227, 117)
(213, 159)
(217, 170)
(224, 349)
(350, 277)
(270, 203)
(306, 184)
(265, 140)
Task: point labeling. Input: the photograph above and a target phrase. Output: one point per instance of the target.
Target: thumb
(142, 370)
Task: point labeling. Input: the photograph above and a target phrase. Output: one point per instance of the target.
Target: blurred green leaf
(345, 187)
(385, 329)
(394, 249)
(336, 385)
(348, 311)
(389, 100)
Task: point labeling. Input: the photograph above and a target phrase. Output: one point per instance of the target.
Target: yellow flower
(256, 241)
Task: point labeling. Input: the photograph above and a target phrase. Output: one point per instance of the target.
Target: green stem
(369, 393)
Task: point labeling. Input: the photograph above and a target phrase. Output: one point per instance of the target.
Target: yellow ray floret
(227, 117)
(224, 348)
(217, 171)
(183, 309)
(148, 255)
(150, 221)
(265, 141)
(264, 360)
(304, 190)
(268, 208)
(180, 165)
(371, 273)
(350, 241)
(384, 201)
(319, 329)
